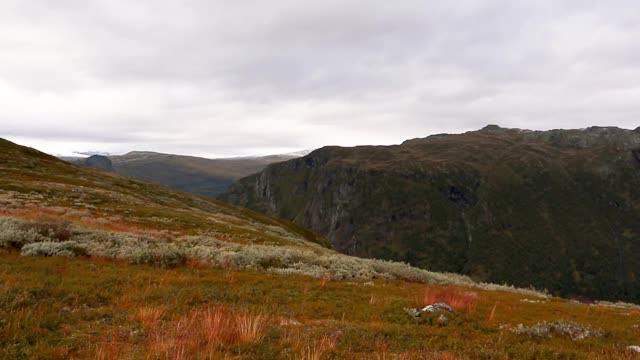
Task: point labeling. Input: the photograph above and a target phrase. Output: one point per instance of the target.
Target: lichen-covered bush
(54, 230)
(43, 239)
(136, 249)
(49, 248)
(568, 329)
(53, 239)
(164, 256)
(530, 291)
(14, 234)
(407, 272)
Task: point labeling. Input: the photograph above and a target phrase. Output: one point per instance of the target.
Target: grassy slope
(54, 308)
(557, 209)
(36, 184)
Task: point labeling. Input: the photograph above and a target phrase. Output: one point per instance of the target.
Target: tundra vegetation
(102, 308)
(97, 266)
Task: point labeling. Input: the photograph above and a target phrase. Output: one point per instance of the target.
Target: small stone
(442, 320)
(634, 348)
(415, 313)
(437, 307)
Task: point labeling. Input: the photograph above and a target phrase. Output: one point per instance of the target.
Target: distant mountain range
(208, 177)
(32, 182)
(555, 209)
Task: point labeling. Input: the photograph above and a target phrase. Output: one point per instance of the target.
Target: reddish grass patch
(459, 299)
(250, 328)
(199, 333)
(149, 316)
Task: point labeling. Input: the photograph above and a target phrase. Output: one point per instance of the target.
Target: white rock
(634, 348)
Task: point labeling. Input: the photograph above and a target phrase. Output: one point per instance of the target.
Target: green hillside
(555, 209)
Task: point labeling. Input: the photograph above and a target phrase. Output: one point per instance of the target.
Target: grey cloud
(230, 77)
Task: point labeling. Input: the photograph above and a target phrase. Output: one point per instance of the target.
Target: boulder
(415, 313)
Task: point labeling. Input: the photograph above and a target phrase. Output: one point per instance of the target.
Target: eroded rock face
(554, 209)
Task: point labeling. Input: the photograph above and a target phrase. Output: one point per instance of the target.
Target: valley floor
(59, 308)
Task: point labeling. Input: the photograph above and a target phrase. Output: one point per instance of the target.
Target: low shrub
(166, 257)
(62, 239)
(568, 329)
(54, 230)
(49, 248)
(14, 234)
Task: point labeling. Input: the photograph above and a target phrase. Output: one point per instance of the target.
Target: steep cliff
(556, 209)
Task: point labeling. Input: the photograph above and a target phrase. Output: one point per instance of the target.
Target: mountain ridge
(555, 209)
(202, 176)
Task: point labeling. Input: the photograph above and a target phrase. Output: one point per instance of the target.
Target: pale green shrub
(14, 234)
(568, 329)
(49, 248)
(136, 249)
(531, 291)
(165, 251)
(164, 256)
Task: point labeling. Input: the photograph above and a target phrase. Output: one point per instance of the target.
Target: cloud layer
(222, 78)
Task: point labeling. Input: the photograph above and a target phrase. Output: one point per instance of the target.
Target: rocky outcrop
(554, 209)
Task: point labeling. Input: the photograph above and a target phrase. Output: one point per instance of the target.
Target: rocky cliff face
(555, 209)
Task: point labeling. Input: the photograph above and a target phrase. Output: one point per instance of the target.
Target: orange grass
(149, 316)
(203, 331)
(250, 328)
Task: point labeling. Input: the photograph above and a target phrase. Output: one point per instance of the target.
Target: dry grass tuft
(149, 316)
(316, 349)
(492, 314)
(250, 328)
(202, 332)
(215, 325)
(313, 351)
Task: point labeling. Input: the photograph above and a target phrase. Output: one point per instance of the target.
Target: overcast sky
(225, 78)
